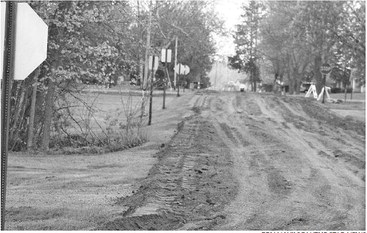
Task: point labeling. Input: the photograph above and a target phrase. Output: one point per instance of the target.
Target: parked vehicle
(242, 87)
(305, 86)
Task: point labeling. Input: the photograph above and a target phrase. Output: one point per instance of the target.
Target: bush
(340, 90)
(121, 129)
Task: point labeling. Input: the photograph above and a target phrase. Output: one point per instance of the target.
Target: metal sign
(182, 69)
(166, 53)
(2, 36)
(153, 62)
(186, 70)
(325, 68)
(30, 41)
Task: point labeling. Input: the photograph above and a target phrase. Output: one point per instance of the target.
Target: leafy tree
(297, 37)
(193, 22)
(96, 42)
(246, 40)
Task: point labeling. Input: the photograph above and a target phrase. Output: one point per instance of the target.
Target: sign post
(153, 66)
(166, 58)
(181, 69)
(325, 69)
(24, 35)
(8, 76)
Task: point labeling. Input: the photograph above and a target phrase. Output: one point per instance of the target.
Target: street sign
(186, 70)
(2, 36)
(325, 68)
(166, 53)
(30, 40)
(182, 69)
(153, 62)
(178, 68)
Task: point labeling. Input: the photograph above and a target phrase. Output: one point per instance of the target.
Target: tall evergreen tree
(246, 40)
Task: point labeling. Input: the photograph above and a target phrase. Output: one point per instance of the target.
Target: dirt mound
(144, 222)
(320, 113)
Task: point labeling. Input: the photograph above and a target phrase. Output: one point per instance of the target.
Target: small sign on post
(166, 55)
(153, 66)
(153, 62)
(181, 69)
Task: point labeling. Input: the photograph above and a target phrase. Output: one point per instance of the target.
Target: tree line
(294, 38)
(95, 42)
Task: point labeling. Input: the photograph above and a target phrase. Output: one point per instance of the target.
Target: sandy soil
(254, 162)
(241, 161)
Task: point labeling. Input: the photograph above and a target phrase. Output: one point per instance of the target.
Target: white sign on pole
(30, 40)
(164, 53)
(182, 69)
(2, 36)
(186, 70)
(153, 62)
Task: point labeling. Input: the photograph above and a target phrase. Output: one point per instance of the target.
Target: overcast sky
(230, 11)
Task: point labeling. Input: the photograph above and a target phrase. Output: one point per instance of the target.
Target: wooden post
(164, 87)
(178, 86)
(174, 73)
(151, 91)
(147, 48)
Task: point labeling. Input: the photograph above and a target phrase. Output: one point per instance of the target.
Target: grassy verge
(78, 192)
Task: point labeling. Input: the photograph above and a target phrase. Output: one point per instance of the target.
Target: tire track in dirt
(284, 184)
(189, 186)
(323, 136)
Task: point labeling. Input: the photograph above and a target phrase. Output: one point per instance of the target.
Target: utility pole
(165, 53)
(174, 73)
(178, 86)
(140, 70)
(147, 48)
(151, 92)
(216, 73)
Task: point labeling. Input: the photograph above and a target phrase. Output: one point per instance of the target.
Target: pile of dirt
(318, 111)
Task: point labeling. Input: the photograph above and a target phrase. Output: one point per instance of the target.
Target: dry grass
(78, 192)
(70, 192)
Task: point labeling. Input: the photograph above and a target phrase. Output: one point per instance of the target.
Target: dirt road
(244, 161)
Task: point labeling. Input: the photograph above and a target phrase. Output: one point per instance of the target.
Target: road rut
(244, 161)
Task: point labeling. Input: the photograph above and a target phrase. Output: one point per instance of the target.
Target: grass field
(354, 107)
(350, 97)
(70, 192)
(78, 192)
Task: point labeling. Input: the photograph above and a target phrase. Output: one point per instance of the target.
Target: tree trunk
(291, 83)
(317, 73)
(254, 85)
(32, 111)
(297, 82)
(48, 115)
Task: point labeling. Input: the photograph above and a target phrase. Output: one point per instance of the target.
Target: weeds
(83, 129)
